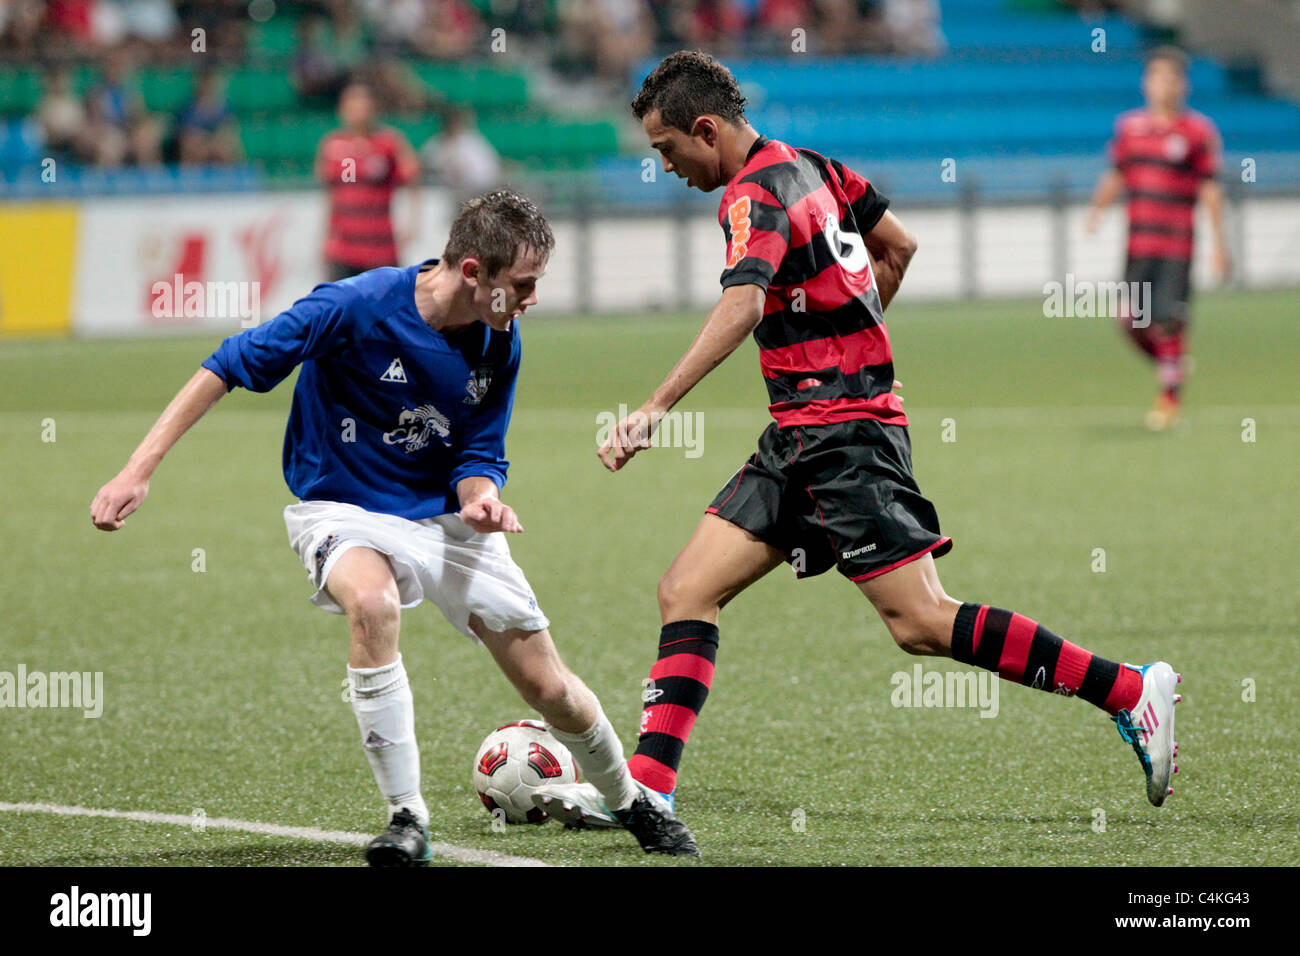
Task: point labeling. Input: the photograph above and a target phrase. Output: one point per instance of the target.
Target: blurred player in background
(813, 258)
(396, 447)
(361, 165)
(1164, 158)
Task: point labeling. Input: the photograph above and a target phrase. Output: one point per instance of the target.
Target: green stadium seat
(260, 91)
(274, 40)
(166, 91)
(482, 88)
(20, 91)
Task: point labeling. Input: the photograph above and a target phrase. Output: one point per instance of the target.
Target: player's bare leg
(718, 562)
(914, 607)
(362, 583)
(923, 619)
(574, 715)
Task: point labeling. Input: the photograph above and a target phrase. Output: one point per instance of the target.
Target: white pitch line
(315, 834)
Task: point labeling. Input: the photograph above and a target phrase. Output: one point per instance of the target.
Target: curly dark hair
(687, 85)
(496, 228)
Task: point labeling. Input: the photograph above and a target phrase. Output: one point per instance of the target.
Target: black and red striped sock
(1171, 367)
(1022, 650)
(679, 684)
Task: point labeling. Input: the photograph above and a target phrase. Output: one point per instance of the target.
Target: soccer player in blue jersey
(395, 447)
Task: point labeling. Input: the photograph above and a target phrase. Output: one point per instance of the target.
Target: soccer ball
(512, 762)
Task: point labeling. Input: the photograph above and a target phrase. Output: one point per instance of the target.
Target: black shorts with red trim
(1166, 288)
(839, 495)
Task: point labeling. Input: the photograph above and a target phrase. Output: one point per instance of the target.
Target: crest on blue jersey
(415, 428)
(478, 384)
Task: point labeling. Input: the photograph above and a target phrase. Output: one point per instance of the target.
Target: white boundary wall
(274, 239)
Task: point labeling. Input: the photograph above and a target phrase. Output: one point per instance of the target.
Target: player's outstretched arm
(125, 493)
(891, 246)
(481, 506)
(735, 316)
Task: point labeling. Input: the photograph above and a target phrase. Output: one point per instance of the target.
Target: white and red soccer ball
(512, 762)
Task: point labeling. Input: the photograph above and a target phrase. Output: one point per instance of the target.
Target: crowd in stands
(108, 126)
(335, 42)
(606, 36)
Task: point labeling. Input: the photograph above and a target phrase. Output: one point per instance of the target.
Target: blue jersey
(388, 414)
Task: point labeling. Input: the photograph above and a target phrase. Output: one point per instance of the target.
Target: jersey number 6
(848, 248)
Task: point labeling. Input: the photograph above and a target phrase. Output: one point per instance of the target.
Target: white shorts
(442, 559)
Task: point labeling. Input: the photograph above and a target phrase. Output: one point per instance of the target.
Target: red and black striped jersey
(361, 172)
(1163, 162)
(795, 223)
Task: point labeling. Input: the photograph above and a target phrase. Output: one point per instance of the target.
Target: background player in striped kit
(361, 165)
(813, 258)
(1164, 158)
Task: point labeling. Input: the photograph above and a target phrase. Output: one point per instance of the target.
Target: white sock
(599, 755)
(381, 699)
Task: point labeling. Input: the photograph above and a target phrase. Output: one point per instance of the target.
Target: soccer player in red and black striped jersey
(1165, 158)
(814, 257)
(362, 165)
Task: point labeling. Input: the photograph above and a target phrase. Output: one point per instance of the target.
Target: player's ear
(469, 269)
(706, 127)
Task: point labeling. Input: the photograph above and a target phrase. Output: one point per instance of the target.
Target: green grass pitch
(222, 688)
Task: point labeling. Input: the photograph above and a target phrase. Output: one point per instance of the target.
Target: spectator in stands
(396, 87)
(224, 25)
(461, 158)
(151, 23)
(207, 131)
(61, 116)
(719, 25)
(317, 73)
(607, 36)
(449, 30)
(845, 26)
(21, 22)
(913, 27)
(72, 19)
(119, 130)
(393, 22)
(778, 19)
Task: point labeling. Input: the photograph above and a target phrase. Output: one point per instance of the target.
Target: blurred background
(146, 139)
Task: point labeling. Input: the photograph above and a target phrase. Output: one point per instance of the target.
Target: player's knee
(678, 597)
(375, 610)
(913, 632)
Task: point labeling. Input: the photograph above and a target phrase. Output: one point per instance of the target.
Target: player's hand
(490, 514)
(1222, 263)
(117, 499)
(896, 386)
(629, 436)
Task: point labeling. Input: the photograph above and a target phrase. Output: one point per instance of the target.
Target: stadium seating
(280, 134)
(1020, 101)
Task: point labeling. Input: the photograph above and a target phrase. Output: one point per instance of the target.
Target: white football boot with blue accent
(1149, 727)
(580, 807)
(650, 817)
